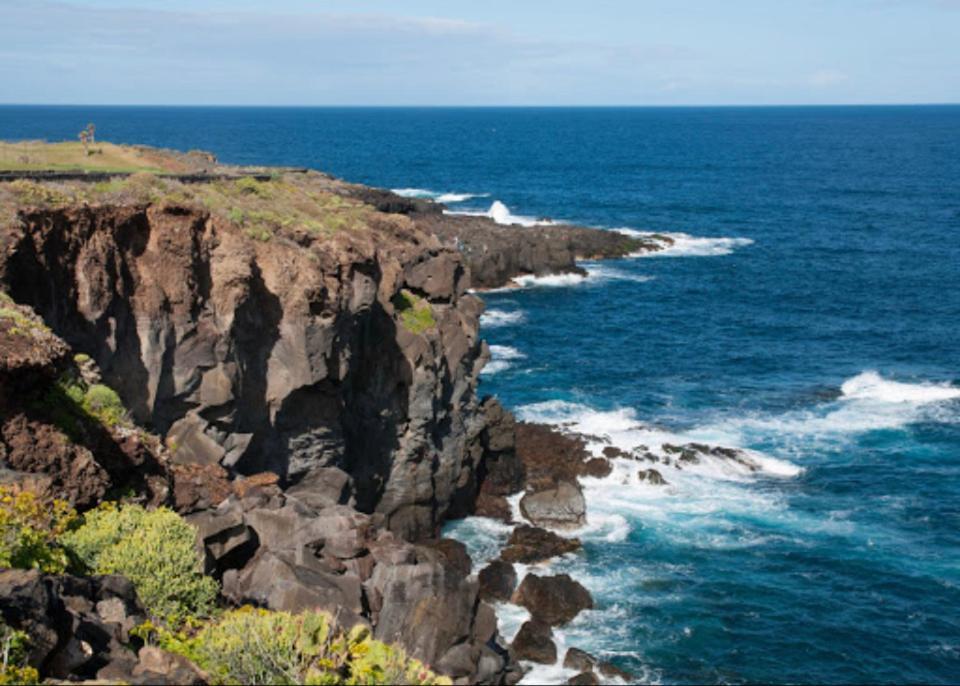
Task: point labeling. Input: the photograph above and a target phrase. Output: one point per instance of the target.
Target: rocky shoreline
(291, 364)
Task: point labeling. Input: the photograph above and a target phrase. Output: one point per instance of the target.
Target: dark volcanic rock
(498, 580)
(651, 476)
(548, 455)
(553, 600)
(494, 507)
(534, 643)
(496, 253)
(528, 545)
(271, 355)
(78, 626)
(48, 443)
(562, 506)
(584, 679)
(597, 467)
(580, 660)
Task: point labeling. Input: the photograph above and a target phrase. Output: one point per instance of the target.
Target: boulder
(78, 626)
(529, 545)
(548, 455)
(156, 666)
(560, 507)
(498, 580)
(597, 467)
(553, 600)
(493, 507)
(423, 602)
(651, 476)
(584, 679)
(534, 642)
(579, 660)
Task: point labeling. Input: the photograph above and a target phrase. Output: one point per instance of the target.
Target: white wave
(685, 245)
(501, 214)
(495, 319)
(549, 280)
(622, 429)
(502, 358)
(441, 197)
(868, 402)
(599, 272)
(871, 386)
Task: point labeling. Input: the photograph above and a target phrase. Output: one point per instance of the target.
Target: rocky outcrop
(78, 626)
(529, 545)
(552, 600)
(276, 550)
(497, 580)
(50, 442)
(293, 355)
(560, 507)
(496, 254)
(534, 642)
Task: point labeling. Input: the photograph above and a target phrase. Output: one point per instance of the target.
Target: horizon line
(513, 106)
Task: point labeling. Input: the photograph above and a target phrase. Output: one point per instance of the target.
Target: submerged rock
(528, 545)
(651, 476)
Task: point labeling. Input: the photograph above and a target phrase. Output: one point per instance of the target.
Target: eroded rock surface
(290, 356)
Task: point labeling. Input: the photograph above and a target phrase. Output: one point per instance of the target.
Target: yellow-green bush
(416, 314)
(154, 549)
(255, 646)
(13, 651)
(29, 529)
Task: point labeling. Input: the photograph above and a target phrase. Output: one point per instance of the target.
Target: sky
(472, 52)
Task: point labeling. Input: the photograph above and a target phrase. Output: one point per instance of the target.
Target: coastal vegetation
(156, 550)
(83, 156)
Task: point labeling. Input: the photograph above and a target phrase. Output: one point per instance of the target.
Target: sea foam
(495, 319)
(441, 197)
(502, 358)
(685, 245)
(501, 214)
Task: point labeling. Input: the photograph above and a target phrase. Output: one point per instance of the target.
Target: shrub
(13, 651)
(29, 529)
(70, 403)
(252, 186)
(255, 646)
(416, 315)
(103, 403)
(155, 550)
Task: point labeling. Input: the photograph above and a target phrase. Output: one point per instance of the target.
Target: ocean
(809, 311)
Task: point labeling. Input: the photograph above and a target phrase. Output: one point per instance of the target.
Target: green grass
(415, 313)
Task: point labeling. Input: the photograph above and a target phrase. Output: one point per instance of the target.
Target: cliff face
(347, 361)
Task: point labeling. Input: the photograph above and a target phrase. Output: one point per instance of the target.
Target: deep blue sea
(810, 311)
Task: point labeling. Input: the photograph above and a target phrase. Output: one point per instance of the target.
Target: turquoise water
(810, 313)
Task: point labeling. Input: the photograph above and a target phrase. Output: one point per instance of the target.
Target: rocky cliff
(349, 358)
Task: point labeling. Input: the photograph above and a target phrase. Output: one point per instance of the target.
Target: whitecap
(868, 402)
(596, 273)
(501, 214)
(502, 358)
(685, 245)
(495, 319)
(441, 197)
(549, 280)
(871, 386)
